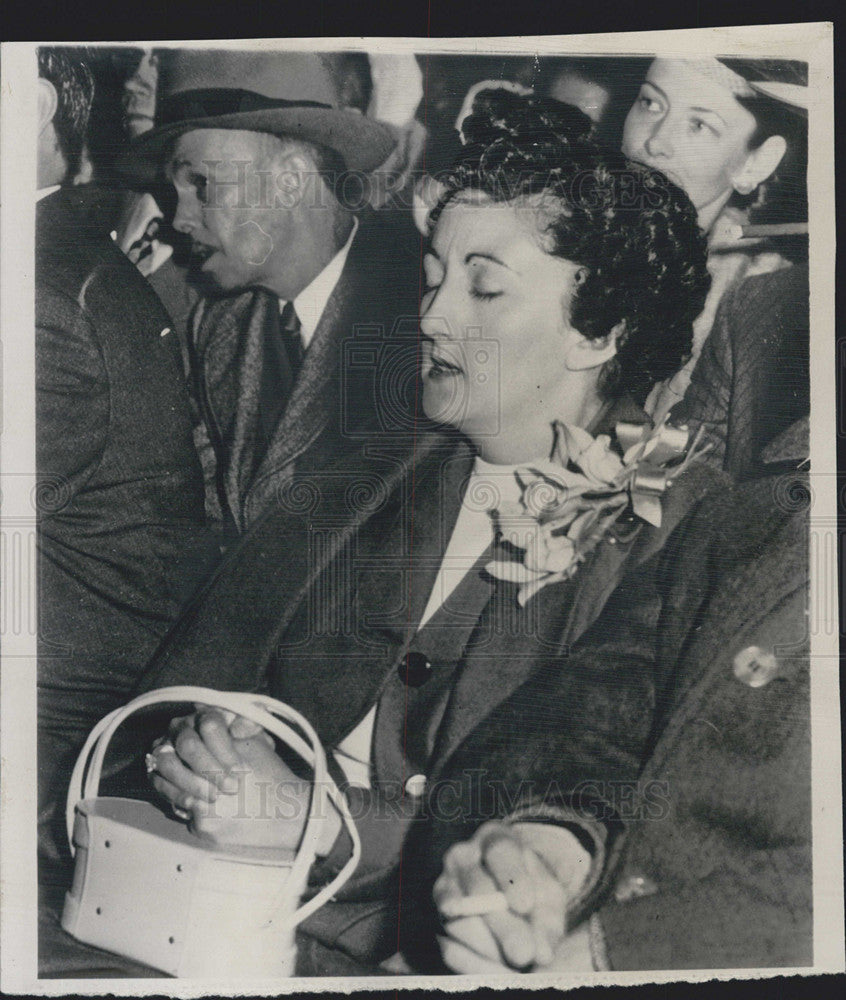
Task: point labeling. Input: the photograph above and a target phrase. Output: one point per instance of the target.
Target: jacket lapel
(316, 401)
(399, 562)
(229, 341)
(512, 643)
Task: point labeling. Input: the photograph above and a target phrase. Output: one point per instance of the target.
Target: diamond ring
(150, 759)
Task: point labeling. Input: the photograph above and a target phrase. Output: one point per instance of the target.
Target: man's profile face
(232, 203)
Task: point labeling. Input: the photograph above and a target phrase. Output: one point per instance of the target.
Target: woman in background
(732, 134)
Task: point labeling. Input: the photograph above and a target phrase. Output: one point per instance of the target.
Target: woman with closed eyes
(483, 665)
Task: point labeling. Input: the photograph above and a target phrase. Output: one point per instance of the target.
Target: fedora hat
(285, 93)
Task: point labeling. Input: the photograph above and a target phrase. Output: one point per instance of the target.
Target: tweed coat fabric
(716, 869)
(543, 699)
(339, 395)
(752, 380)
(121, 529)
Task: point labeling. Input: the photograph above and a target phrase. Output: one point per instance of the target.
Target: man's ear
(295, 168)
(582, 354)
(760, 164)
(48, 102)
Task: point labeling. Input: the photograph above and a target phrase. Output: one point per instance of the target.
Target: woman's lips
(436, 366)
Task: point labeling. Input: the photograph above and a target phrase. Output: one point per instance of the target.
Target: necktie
(291, 331)
(283, 359)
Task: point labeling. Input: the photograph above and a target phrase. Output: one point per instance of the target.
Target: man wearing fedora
(269, 172)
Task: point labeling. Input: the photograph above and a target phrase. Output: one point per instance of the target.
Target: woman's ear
(760, 164)
(582, 354)
(48, 102)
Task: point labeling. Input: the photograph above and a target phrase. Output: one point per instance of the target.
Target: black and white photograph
(419, 543)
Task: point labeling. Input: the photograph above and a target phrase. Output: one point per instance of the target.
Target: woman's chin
(444, 399)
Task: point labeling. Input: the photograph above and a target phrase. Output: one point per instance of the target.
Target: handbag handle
(273, 716)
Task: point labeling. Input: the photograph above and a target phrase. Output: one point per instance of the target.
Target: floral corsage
(570, 502)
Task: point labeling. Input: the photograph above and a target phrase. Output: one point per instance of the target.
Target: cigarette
(474, 906)
(756, 232)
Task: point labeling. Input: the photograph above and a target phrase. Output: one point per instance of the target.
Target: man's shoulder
(782, 293)
(75, 259)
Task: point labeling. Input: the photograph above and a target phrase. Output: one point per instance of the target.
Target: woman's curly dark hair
(634, 231)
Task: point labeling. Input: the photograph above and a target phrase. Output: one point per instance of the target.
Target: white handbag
(146, 888)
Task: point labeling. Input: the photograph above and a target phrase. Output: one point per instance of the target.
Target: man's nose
(187, 216)
(659, 142)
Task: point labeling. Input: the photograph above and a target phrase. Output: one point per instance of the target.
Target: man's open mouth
(201, 252)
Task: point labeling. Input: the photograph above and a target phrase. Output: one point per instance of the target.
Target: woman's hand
(523, 875)
(224, 771)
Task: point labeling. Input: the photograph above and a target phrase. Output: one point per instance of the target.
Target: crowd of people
(443, 398)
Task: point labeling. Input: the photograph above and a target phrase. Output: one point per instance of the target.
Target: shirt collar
(44, 192)
(492, 485)
(311, 302)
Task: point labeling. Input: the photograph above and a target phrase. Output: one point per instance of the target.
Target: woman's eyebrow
(708, 111)
(490, 257)
(656, 88)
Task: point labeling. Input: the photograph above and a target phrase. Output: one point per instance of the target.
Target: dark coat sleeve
(752, 379)
(73, 392)
(717, 870)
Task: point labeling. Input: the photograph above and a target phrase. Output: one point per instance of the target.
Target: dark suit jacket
(717, 862)
(121, 528)
(338, 396)
(752, 380)
(312, 606)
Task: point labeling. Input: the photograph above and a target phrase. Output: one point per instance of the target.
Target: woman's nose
(434, 319)
(659, 141)
(433, 323)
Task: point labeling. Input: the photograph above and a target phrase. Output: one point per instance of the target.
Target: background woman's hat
(781, 80)
(284, 93)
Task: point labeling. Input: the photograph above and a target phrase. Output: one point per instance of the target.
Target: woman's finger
(547, 917)
(464, 960)
(213, 727)
(475, 934)
(511, 931)
(177, 798)
(245, 729)
(504, 861)
(170, 767)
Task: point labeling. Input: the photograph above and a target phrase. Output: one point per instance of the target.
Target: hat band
(216, 102)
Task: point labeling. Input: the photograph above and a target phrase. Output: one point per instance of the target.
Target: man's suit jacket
(351, 382)
(716, 868)
(545, 700)
(752, 380)
(121, 528)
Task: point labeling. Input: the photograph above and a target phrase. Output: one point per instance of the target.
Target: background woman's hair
(635, 232)
(783, 197)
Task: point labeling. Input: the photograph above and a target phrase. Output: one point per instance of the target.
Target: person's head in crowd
(65, 95)
(139, 93)
(267, 165)
(720, 129)
(547, 297)
(353, 80)
(584, 83)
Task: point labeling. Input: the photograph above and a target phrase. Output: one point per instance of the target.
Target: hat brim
(792, 94)
(363, 143)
